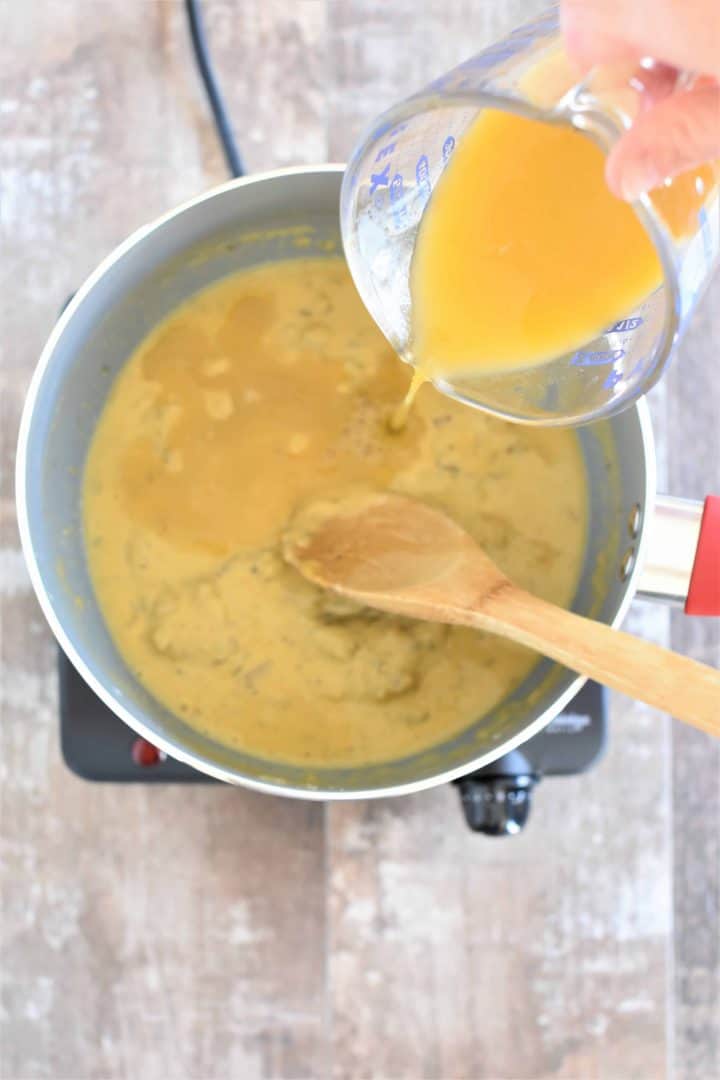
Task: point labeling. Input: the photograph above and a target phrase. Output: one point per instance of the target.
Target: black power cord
(207, 74)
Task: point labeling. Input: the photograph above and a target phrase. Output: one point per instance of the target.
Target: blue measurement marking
(613, 378)
(399, 210)
(422, 176)
(625, 325)
(588, 358)
(385, 151)
(396, 187)
(448, 147)
(381, 179)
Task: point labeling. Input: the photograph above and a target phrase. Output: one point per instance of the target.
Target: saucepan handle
(682, 561)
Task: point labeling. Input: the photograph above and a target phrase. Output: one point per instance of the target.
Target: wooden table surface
(202, 933)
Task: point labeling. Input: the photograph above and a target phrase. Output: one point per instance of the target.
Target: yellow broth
(267, 390)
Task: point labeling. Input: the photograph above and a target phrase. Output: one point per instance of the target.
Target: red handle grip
(704, 593)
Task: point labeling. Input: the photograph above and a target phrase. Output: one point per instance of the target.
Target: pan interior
(135, 292)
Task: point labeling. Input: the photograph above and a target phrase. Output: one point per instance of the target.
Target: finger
(681, 132)
(684, 34)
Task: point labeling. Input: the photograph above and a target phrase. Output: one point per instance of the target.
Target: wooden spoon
(399, 555)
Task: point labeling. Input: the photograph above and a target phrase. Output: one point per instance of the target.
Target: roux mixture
(267, 390)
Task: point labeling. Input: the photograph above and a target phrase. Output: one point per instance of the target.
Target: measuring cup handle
(682, 560)
(703, 596)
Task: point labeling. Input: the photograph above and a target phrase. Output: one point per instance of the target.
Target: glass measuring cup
(393, 172)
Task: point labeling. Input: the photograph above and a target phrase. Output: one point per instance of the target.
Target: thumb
(680, 132)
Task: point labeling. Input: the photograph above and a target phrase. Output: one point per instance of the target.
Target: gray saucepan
(636, 541)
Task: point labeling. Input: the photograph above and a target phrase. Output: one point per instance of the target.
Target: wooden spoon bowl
(405, 557)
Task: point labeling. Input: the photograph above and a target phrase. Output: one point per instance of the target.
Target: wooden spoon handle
(686, 689)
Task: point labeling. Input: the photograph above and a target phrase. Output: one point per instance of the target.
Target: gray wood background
(195, 934)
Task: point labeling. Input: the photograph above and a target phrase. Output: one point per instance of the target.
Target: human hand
(678, 127)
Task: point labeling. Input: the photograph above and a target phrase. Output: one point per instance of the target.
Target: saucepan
(637, 541)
